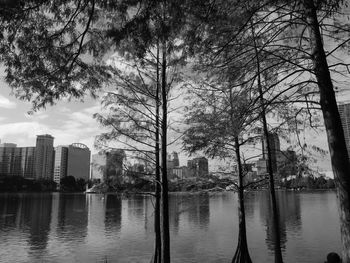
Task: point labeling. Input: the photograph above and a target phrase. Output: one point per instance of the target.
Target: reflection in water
(9, 208)
(249, 204)
(136, 207)
(72, 216)
(113, 214)
(30, 213)
(59, 228)
(289, 216)
(38, 218)
(194, 206)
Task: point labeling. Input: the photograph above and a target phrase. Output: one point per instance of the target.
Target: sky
(68, 122)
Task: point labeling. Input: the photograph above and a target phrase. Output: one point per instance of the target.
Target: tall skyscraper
(78, 161)
(44, 160)
(198, 166)
(17, 161)
(344, 111)
(60, 166)
(274, 147)
(175, 159)
(108, 165)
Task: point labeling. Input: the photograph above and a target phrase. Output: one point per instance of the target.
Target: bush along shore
(70, 184)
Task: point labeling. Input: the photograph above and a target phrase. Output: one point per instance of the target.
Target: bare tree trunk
(157, 229)
(332, 121)
(275, 216)
(165, 198)
(242, 253)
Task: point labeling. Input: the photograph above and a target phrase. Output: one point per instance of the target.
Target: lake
(204, 228)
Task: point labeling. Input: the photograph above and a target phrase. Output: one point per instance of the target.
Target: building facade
(274, 147)
(78, 161)
(287, 163)
(344, 112)
(44, 157)
(98, 163)
(17, 161)
(198, 166)
(108, 165)
(60, 166)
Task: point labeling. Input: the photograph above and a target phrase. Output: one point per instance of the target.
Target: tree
(68, 184)
(133, 119)
(220, 122)
(292, 42)
(57, 49)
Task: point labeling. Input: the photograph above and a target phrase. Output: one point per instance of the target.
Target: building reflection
(136, 208)
(289, 216)
(72, 216)
(249, 204)
(199, 210)
(10, 209)
(36, 216)
(175, 209)
(113, 213)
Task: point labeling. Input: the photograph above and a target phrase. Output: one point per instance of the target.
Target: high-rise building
(98, 165)
(287, 163)
(78, 161)
(17, 161)
(60, 166)
(274, 147)
(198, 166)
(344, 112)
(108, 165)
(172, 161)
(44, 160)
(176, 161)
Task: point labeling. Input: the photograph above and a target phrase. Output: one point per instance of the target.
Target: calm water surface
(92, 228)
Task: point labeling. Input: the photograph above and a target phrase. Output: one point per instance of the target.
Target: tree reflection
(113, 213)
(289, 216)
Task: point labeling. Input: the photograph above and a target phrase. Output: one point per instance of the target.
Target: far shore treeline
(210, 183)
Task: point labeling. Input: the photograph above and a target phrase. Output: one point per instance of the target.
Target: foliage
(68, 184)
(309, 182)
(19, 184)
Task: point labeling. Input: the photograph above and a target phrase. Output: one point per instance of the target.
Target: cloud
(40, 115)
(6, 103)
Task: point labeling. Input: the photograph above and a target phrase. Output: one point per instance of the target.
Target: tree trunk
(157, 229)
(332, 121)
(275, 215)
(165, 201)
(242, 253)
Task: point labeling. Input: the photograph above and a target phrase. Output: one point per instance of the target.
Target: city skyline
(67, 119)
(44, 161)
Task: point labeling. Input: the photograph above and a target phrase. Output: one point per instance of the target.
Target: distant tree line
(309, 182)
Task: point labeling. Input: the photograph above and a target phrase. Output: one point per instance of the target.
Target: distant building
(274, 147)
(181, 172)
(261, 166)
(344, 112)
(44, 157)
(108, 165)
(198, 166)
(60, 166)
(98, 165)
(72, 160)
(286, 163)
(17, 161)
(8, 145)
(78, 161)
(172, 160)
